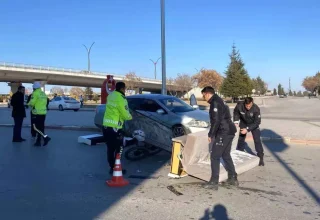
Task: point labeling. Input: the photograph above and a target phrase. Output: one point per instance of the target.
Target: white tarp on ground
(195, 157)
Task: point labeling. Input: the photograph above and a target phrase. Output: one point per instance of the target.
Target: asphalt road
(302, 109)
(66, 180)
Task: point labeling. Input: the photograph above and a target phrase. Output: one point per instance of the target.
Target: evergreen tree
(290, 93)
(294, 93)
(275, 91)
(280, 89)
(237, 81)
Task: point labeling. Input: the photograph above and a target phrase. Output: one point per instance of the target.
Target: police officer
(39, 102)
(248, 114)
(220, 138)
(117, 111)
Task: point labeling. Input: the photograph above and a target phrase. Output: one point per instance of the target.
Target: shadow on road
(219, 212)
(280, 147)
(64, 180)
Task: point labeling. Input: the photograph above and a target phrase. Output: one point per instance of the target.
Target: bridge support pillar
(14, 86)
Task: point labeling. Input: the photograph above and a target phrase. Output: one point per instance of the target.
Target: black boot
(46, 140)
(211, 185)
(261, 162)
(232, 181)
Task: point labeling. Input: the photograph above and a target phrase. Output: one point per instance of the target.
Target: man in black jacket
(18, 113)
(248, 114)
(220, 138)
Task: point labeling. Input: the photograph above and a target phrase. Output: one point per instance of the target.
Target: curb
(287, 140)
(59, 127)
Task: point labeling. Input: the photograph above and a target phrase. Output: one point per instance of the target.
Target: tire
(75, 110)
(153, 150)
(178, 130)
(60, 108)
(136, 153)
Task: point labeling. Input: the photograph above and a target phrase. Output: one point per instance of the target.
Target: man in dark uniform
(18, 113)
(248, 114)
(220, 139)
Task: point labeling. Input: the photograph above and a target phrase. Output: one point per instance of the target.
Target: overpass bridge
(22, 73)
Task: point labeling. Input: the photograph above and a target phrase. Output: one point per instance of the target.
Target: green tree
(88, 93)
(305, 93)
(290, 93)
(294, 93)
(237, 81)
(260, 86)
(280, 89)
(275, 91)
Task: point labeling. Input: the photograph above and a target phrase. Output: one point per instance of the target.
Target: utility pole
(163, 48)
(88, 51)
(155, 67)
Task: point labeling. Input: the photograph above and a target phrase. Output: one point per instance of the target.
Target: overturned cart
(190, 155)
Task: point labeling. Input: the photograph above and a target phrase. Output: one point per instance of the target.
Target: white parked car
(64, 103)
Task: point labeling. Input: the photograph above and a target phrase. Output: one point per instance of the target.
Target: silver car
(161, 117)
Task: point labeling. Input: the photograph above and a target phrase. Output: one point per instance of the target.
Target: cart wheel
(136, 153)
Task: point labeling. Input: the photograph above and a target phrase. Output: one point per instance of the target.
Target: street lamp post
(155, 67)
(163, 48)
(88, 51)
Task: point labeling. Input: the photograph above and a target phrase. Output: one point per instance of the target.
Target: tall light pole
(163, 48)
(88, 51)
(155, 67)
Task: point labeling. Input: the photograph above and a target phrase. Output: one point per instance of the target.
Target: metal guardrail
(66, 70)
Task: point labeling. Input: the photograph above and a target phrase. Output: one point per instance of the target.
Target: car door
(143, 112)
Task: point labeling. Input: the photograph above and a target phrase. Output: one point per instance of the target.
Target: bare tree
(76, 91)
(171, 86)
(184, 82)
(132, 81)
(57, 90)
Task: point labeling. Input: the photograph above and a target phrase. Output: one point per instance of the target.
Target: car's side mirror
(160, 111)
(195, 107)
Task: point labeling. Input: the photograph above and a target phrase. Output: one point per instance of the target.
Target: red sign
(108, 86)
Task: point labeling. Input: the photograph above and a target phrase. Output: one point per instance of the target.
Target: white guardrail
(66, 70)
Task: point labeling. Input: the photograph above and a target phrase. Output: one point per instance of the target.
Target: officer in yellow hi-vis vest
(117, 112)
(38, 102)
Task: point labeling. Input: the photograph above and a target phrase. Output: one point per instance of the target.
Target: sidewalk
(302, 132)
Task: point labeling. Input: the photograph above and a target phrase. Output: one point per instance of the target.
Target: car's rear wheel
(75, 110)
(178, 130)
(60, 108)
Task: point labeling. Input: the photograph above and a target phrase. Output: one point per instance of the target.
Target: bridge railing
(67, 70)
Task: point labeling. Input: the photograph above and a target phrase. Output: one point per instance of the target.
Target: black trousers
(33, 132)
(221, 147)
(17, 128)
(39, 126)
(114, 141)
(257, 141)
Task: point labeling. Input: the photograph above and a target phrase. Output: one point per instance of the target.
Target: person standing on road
(81, 101)
(116, 113)
(220, 137)
(39, 103)
(18, 113)
(248, 114)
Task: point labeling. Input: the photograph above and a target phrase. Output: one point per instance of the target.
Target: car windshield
(176, 105)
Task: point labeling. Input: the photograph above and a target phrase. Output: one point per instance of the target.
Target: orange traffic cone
(117, 179)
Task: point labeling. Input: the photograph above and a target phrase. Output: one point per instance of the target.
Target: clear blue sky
(277, 39)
